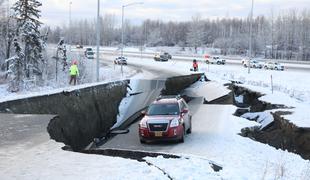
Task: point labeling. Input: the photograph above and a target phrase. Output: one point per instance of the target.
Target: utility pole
(250, 48)
(122, 50)
(98, 41)
(70, 40)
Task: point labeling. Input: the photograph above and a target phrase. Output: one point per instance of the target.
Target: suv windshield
(90, 53)
(163, 109)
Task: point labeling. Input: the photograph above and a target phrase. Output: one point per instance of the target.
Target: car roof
(166, 101)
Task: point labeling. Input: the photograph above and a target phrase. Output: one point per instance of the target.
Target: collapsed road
(130, 141)
(87, 112)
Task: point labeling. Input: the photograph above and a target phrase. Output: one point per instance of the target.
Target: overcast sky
(56, 12)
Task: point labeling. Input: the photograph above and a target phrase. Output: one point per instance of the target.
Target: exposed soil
(281, 134)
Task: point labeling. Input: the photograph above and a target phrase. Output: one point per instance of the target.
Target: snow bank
(185, 168)
(290, 88)
(264, 118)
(48, 161)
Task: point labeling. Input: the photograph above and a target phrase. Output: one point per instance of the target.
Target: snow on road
(215, 137)
(49, 161)
(290, 88)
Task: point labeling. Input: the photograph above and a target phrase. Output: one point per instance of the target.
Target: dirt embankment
(82, 114)
(280, 134)
(175, 85)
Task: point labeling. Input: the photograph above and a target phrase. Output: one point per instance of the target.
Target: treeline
(282, 36)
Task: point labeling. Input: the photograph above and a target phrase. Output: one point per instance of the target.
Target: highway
(230, 61)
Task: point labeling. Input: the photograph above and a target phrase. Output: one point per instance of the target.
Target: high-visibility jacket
(74, 71)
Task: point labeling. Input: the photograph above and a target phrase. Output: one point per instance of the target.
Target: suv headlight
(175, 122)
(143, 124)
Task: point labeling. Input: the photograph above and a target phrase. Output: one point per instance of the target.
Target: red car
(167, 118)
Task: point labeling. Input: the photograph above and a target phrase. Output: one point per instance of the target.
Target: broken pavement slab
(210, 90)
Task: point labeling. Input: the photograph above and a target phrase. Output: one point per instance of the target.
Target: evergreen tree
(15, 69)
(28, 40)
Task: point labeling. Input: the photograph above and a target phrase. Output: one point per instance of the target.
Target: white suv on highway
(274, 66)
(253, 63)
(215, 60)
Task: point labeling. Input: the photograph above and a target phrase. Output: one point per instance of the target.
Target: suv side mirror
(185, 111)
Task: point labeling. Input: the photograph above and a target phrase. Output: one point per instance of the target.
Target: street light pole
(250, 48)
(70, 40)
(122, 46)
(122, 50)
(98, 41)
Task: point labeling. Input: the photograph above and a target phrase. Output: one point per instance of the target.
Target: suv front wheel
(183, 135)
(142, 141)
(189, 130)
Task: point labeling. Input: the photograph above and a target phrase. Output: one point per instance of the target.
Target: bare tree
(196, 34)
(281, 36)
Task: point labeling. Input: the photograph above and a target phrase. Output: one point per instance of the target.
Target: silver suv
(274, 66)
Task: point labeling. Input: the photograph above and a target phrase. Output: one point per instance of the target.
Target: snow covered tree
(28, 40)
(196, 34)
(6, 35)
(155, 38)
(16, 67)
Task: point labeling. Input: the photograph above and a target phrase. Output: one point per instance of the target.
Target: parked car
(162, 56)
(90, 55)
(167, 118)
(120, 60)
(215, 60)
(274, 66)
(253, 63)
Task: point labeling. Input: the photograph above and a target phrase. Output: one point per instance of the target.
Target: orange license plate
(158, 134)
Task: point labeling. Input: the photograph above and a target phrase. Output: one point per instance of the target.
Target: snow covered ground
(290, 88)
(241, 158)
(214, 138)
(49, 161)
(108, 73)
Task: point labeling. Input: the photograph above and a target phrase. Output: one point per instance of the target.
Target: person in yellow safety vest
(74, 72)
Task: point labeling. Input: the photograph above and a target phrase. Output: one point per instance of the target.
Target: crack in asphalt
(163, 171)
